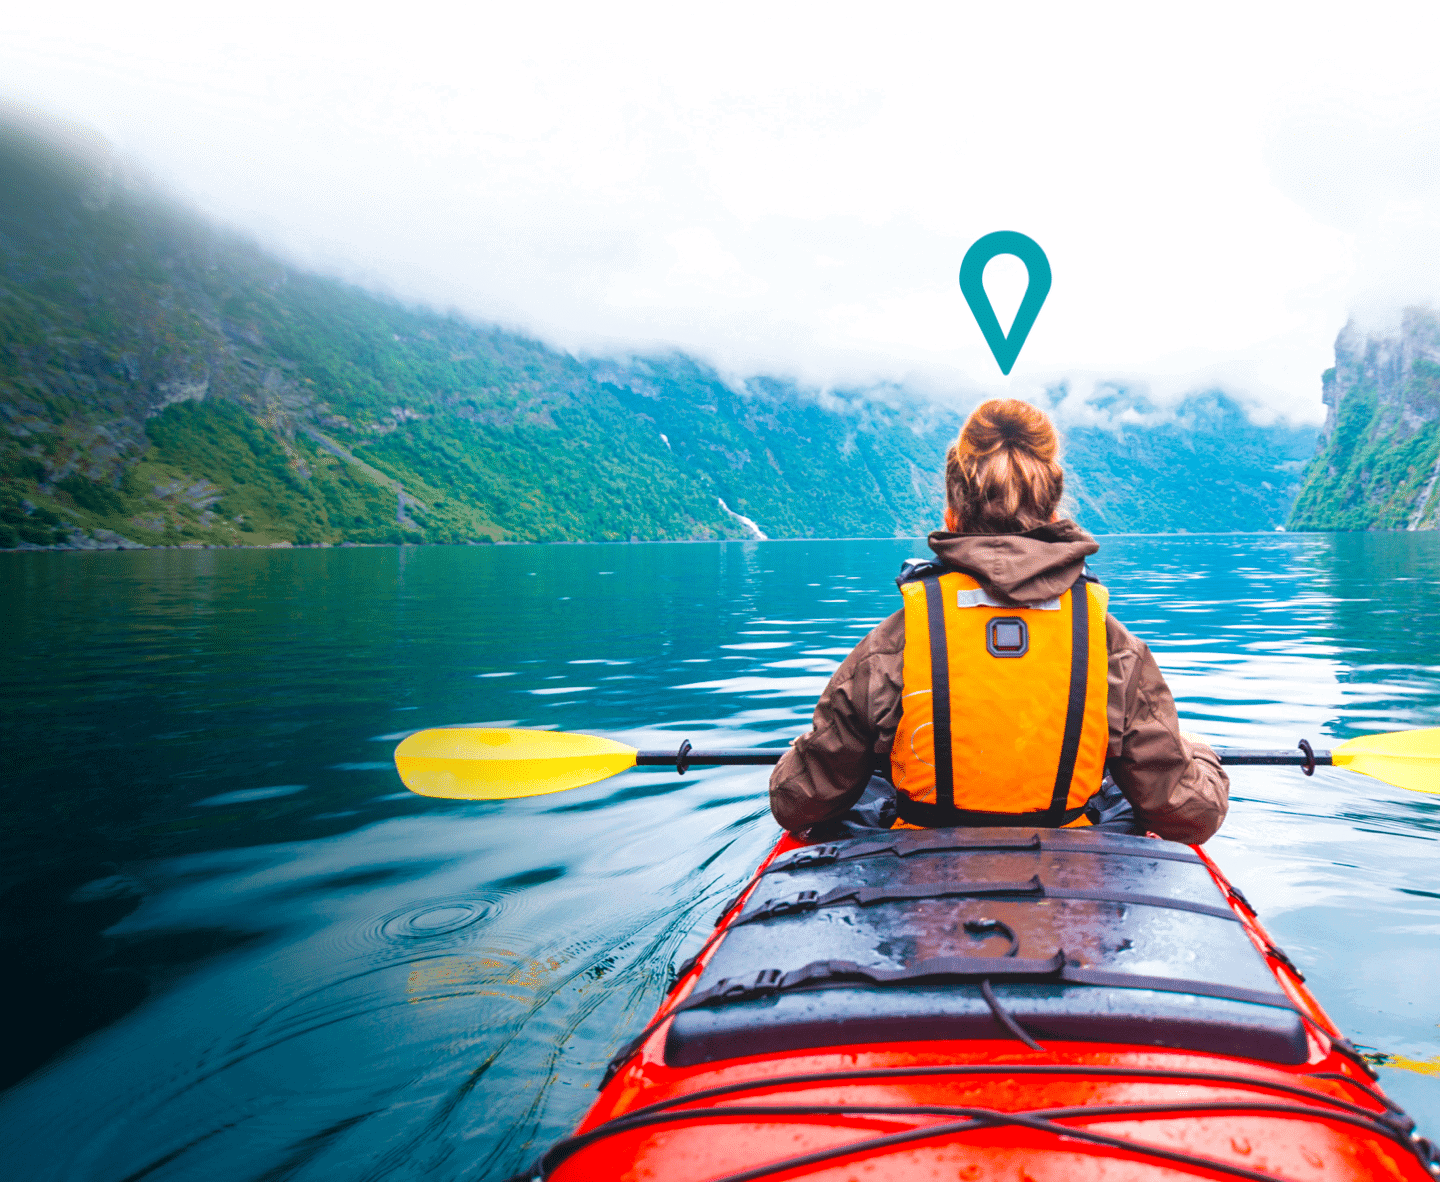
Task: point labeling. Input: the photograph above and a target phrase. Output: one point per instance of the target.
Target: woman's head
(1002, 476)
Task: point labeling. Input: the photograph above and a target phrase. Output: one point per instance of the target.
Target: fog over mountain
(166, 382)
(636, 178)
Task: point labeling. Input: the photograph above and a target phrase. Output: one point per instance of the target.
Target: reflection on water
(244, 950)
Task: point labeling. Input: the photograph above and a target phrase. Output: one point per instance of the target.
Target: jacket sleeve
(826, 770)
(1176, 784)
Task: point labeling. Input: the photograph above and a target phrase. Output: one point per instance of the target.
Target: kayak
(1053, 1005)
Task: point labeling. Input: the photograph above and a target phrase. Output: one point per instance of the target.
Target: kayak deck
(932, 934)
(981, 1004)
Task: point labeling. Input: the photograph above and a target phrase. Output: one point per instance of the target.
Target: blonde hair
(1002, 475)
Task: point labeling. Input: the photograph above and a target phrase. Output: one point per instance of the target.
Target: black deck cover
(1153, 954)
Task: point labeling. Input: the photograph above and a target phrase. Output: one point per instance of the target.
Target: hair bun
(1008, 421)
(1002, 474)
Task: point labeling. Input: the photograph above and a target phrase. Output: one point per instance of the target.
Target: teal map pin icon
(972, 287)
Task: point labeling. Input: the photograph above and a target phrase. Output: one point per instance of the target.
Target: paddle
(475, 763)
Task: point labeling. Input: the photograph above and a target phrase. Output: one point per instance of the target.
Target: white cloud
(793, 186)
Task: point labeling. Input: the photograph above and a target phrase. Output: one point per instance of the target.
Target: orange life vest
(1003, 716)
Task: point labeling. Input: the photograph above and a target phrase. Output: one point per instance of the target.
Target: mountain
(165, 382)
(1378, 462)
(1200, 467)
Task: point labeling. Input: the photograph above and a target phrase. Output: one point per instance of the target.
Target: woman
(1003, 690)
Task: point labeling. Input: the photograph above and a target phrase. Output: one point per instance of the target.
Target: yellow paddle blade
(474, 763)
(1407, 759)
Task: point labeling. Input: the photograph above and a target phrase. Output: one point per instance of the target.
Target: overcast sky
(791, 188)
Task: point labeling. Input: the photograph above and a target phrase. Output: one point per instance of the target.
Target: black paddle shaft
(687, 757)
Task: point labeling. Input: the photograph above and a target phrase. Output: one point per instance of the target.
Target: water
(239, 950)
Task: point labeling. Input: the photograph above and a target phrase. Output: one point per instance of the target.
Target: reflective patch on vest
(1007, 636)
(978, 597)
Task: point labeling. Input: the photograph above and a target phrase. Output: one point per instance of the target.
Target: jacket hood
(1032, 567)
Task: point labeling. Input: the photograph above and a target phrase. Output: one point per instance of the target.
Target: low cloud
(632, 179)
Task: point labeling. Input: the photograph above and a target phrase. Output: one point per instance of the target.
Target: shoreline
(125, 544)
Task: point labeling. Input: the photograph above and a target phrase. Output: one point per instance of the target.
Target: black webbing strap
(933, 816)
(903, 845)
(864, 896)
(830, 974)
(1075, 707)
(820, 973)
(1033, 888)
(940, 695)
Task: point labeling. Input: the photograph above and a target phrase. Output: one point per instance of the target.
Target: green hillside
(1202, 467)
(166, 383)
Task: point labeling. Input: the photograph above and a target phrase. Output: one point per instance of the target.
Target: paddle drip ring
(682, 758)
(1308, 767)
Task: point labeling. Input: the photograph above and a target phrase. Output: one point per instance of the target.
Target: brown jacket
(1177, 785)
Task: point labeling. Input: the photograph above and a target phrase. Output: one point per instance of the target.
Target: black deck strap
(1032, 888)
(939, 695)
(1379, 1097)
(830, 974)
(1005, 1017)
(1075, 975)
(823, 973)
(1075, 706)
(909, 845)
(1131, 899)
(865, 896)
(931, 816)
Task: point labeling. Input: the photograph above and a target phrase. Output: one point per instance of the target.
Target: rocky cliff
(1378, 461)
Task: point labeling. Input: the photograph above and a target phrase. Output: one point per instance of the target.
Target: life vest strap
(1075, 708)
(934, 816)
(940, 695)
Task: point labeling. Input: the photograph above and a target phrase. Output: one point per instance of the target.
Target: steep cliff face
(1378, 462)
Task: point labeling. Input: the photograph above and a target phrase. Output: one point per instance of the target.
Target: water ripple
(436, 918)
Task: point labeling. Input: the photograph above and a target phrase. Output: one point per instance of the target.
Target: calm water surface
(238, 949)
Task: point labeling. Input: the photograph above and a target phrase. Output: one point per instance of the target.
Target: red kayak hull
(1046, 1116)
